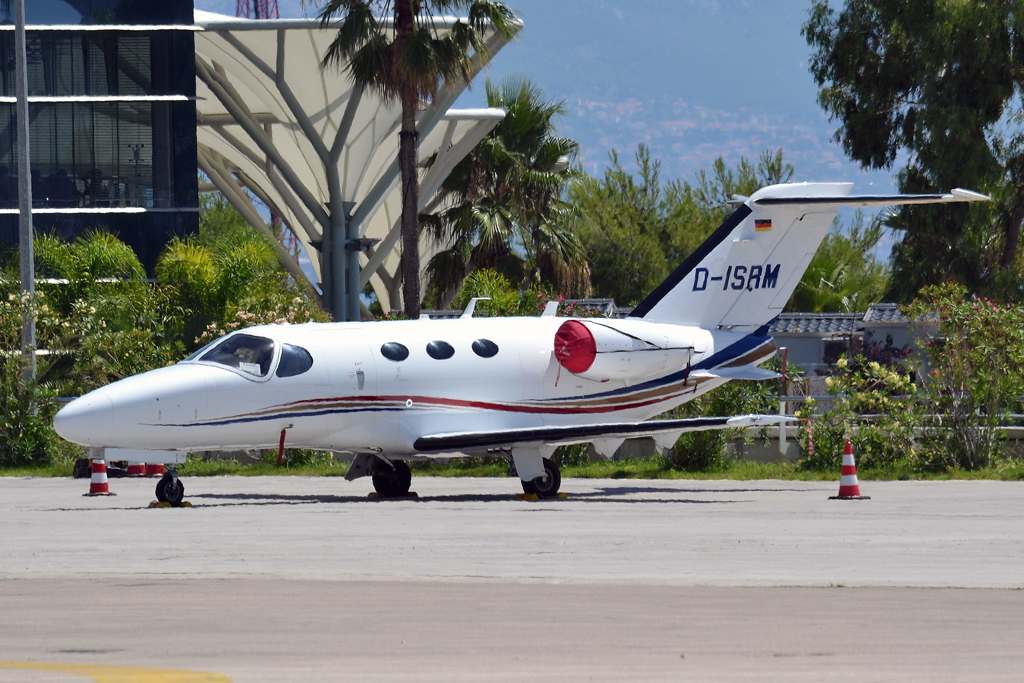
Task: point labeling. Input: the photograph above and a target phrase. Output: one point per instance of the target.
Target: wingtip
(969, 195)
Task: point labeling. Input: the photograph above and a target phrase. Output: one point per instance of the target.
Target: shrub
(879, 400)
(976, 374)
(707, 449)
(26, 407)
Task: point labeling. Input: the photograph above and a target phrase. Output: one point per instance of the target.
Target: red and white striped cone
(98, 484)
(154, 470)
(136, 469)
(849, 488)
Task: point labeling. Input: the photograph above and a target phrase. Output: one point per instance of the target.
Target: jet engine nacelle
(602, 351)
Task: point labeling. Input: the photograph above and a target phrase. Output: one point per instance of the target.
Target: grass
(653, 468)
(54, 470)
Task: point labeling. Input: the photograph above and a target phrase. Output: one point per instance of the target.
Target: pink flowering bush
(976, 377)
(297, 310)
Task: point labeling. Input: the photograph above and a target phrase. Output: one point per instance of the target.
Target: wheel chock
(182, 504)
(535, 497)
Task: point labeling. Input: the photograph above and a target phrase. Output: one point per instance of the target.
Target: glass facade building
(113, 119)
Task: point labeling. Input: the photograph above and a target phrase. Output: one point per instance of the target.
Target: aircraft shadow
(601, 496)
(625, 490)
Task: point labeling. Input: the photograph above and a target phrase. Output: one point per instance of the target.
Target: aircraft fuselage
(480, 374)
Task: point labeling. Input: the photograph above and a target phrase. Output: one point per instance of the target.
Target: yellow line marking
(120, 674)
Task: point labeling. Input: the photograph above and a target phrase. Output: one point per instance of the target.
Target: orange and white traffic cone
(849, 488)
(98, 484)
(136, 469)
(154, 470)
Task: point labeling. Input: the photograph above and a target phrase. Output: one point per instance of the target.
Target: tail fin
(744, 274)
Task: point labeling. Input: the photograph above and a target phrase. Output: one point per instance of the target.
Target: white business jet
(393, 392)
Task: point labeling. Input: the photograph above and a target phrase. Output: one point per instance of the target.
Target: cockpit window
(295, 360)
(195, 354)
(244, 351)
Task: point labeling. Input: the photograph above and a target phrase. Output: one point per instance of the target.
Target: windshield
(195, 354)
(244, 351)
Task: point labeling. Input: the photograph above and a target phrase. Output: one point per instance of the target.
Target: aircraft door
(353, 370)
(354, 384)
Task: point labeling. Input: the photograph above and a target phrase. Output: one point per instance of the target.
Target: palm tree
(409, 62)
(505, 201)
(95, 265)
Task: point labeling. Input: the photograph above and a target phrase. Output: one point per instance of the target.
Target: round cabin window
(394, 351)
(485, 348)
(440, 350)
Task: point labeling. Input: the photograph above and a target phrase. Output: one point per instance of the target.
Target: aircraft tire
(170, 490)
(391, 483)
(545, 487)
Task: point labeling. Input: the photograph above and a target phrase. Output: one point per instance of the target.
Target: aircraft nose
(87, 421)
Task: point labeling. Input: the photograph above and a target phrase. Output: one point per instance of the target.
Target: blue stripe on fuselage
(734, 351)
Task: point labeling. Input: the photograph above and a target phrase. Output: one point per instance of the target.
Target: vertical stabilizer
(744, 274)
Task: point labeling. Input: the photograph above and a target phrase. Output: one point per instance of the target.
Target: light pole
(25, 236)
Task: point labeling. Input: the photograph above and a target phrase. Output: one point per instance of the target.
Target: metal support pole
(783, 407)
(352, 288)
(25, 236)
(334, 250)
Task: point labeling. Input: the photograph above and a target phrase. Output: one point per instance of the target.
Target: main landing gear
(170, 489)
(391, 479)
(546, 486)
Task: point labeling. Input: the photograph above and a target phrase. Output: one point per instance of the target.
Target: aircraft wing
(557, 436)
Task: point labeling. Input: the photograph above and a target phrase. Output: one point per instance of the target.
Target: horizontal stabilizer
(557, 436)
(864, 201)
(742, 372)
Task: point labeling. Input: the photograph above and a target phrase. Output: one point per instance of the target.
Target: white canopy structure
(318, 152)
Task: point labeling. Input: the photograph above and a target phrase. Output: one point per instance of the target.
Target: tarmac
(302, 579)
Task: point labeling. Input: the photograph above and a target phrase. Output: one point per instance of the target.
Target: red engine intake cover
(575, 347)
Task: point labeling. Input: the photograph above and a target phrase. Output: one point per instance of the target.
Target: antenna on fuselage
(468, 313)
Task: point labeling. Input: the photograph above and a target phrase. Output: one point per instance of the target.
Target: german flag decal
(763, 225)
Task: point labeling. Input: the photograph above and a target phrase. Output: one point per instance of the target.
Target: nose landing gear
(170, 489)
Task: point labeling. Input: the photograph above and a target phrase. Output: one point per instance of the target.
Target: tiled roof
(885, 313)
(816, 323)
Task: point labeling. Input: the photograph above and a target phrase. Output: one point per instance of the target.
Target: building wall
(102, 154)
(804, 351)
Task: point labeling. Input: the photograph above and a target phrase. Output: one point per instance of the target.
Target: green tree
(624, 228)
(938, 81)
(406, 61)
(636, 231)
(976, 373)
(206, 281)
(506, 202)
(94, 264)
